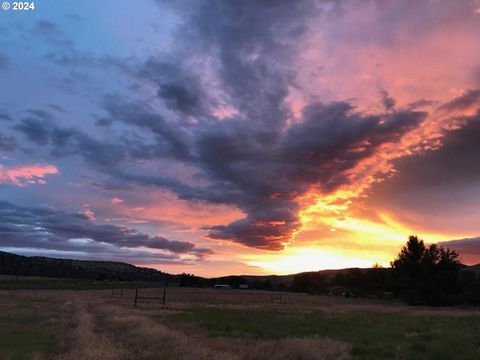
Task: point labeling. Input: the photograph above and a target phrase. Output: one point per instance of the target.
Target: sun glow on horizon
(333, 237)
(297, 260)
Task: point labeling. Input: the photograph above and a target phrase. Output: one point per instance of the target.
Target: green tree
(311, 282)
(426, 275)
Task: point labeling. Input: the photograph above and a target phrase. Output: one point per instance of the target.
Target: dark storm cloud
(469, 249)
(71, 141)
(332, 139)
(178, 87)
(262, 176)
(35, 130)
(109, 155)
(252, 161)
(256, 42)
(468, 245)
(177, 96)
(453, 164)
(99, 153)
(251, 45)
(433, 184)
(316, 153)
(170, 139)
(46, 228)
(471, 97)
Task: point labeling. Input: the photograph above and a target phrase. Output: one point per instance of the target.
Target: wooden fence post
(276, 297)
(164, 296)
(136, 296)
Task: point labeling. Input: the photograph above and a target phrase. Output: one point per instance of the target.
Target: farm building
(221, 286)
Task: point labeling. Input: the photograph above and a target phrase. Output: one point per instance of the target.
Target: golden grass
(149, 337)
(96, 326)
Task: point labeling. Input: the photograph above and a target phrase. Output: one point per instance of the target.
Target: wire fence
(170, 296)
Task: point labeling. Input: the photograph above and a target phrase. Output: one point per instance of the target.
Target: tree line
(419, 275)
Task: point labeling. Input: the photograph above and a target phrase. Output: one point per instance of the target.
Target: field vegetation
(233, 324)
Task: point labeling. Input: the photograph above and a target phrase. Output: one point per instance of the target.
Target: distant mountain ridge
(12, 264)
(276, 279)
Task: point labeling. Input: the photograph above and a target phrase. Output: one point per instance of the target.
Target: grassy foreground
(24, 336)
(372, 335)
(31, 328)
(204, 324)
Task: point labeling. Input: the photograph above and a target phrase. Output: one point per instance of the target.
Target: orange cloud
(26, 174)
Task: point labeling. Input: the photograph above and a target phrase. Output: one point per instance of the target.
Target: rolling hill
(12, 264)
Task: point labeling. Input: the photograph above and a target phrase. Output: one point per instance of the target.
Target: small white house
(221, 286)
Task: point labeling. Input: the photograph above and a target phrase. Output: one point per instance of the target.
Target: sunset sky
(240, 137)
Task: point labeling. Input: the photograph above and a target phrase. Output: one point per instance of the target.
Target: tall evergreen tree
(426, 275)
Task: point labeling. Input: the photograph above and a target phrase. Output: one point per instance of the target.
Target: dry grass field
(227, 324)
